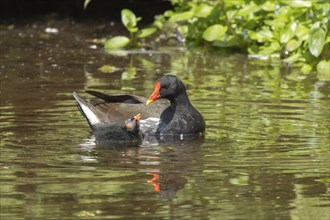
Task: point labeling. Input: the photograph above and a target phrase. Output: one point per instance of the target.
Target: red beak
(155, 94)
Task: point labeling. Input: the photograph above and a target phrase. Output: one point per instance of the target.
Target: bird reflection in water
(164, 163)
(167, 184)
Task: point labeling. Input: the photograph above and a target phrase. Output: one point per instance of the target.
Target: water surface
(265, 154)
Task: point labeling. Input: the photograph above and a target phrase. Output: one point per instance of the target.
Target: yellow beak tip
(149, 102)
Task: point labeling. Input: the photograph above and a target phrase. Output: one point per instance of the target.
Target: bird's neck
(180, 101)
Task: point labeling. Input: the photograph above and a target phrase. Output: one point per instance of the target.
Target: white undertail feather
(86, 109)
(89, 114)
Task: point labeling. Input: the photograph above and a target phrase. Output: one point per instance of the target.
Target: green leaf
(228, 41)
(268, 6)
(146, 32)
(158, 24)
(230, 3)
(261, 36)
(183, 29)
(298, 3)
(108, 69)
(288, 32)
(116, 42)
(129, 74)
(306, 68)
(302, 32)
(285, 11)
(129, 20)
(214, 32)
(323, 70)
(294, 58)
(181, 16)
(203, 10)
(296, 76)
(293, 45)
(274, 47)
(231, 14)
(317, 37)
(248, 9)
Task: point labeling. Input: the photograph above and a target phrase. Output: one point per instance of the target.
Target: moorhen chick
(173, 115)
(129, 133)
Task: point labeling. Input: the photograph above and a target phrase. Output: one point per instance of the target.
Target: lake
(265, 154)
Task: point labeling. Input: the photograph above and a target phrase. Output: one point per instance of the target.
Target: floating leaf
(116, 42)
(108, 69)
(214, 32)
(203, 10)
(323, 70)
(317, 37)
(146, 32)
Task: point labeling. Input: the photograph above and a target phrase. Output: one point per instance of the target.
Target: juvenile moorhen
(129, 133)
(172, 117)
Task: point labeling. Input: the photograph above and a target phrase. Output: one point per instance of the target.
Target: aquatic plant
(296, 31)
(130, 21)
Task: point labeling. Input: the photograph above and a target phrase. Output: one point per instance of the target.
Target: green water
(265, 154)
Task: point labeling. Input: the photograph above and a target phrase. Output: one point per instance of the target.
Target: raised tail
(87, 110)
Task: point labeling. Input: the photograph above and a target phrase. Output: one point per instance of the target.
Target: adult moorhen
(174, 118)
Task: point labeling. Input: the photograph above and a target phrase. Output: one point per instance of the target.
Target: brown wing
(118, 108)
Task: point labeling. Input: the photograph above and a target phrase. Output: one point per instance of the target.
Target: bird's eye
(164, 86)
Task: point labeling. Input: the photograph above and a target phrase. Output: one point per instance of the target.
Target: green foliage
(116, 42)
(108, 69)
(295, 30)
(130, 22)
(146, 32)
(214, 32)
(317, 39)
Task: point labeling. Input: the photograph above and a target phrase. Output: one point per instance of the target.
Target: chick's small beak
(137, 117)
(155, 94)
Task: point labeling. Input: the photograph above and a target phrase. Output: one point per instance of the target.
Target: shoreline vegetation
(296, 31)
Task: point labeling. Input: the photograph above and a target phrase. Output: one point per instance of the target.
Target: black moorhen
(180, 118)
(174, 118)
